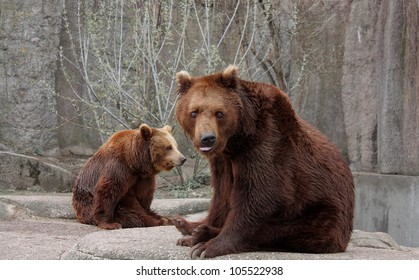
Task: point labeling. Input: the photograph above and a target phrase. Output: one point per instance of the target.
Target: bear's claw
(198, 251)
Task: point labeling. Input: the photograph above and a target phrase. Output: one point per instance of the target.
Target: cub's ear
(168, 128)
(229, 77)
(184, 82)
(145, 132)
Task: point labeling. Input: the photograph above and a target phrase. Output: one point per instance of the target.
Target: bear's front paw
(104, 225)
(201, 233)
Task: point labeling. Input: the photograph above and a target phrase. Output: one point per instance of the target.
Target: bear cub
(115, 187)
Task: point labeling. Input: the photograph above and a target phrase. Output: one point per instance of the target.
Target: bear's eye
(219, 115)
(194, 114)
(168, 148)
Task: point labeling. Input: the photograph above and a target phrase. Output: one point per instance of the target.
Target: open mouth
(205, 149)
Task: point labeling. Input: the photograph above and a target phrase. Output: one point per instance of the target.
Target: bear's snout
(177, 160)
(208, 139)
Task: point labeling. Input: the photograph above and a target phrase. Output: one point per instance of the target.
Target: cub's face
(163, 148)
(207, 110)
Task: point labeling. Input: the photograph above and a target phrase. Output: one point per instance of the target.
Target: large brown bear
(116, 186)
(278, 183)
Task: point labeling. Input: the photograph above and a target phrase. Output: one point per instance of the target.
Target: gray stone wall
(362, 89)
(388, 203)
(29, 39)
(380, 87)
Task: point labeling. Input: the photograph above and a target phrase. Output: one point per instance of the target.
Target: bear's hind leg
(135, 217)
(309, 240)
(323, 234)
(129, 213)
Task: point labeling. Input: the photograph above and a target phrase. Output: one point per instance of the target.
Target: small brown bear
(278, 183)
(115, 187)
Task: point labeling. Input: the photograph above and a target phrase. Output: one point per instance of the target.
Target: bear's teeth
(205, 149)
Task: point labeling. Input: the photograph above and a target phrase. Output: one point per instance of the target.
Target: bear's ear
(145, 131)
(168, 128)
(184, 82)
(229, 77)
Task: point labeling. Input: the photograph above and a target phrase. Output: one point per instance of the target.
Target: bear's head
(209, 108)
(163, 147)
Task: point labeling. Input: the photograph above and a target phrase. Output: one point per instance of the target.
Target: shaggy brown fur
(115, 188)
(279, 184)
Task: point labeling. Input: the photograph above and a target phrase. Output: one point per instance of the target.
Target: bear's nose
(182, 160)
(207, 139)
